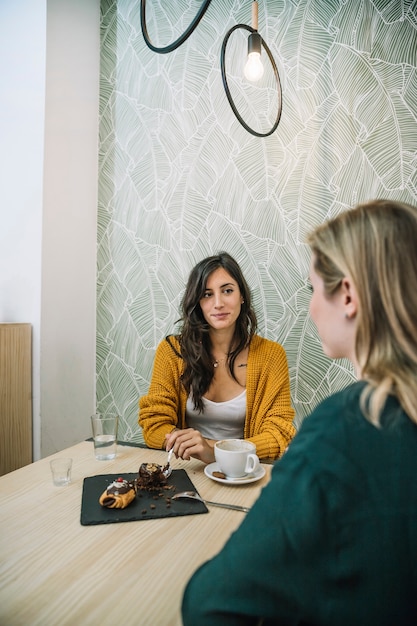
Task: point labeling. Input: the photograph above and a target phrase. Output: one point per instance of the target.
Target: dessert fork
(192, 495)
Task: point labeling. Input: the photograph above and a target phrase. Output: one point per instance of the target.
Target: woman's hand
(189, 443)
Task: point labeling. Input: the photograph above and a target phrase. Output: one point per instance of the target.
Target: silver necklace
(218, 362)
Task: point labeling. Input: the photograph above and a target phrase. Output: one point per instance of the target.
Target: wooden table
(55, 571)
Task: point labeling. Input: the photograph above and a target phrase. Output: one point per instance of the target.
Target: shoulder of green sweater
(328, 438)
(343, 408)
(345, 398)
(334, 411)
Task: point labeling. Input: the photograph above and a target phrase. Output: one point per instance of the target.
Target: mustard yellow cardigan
(269, 414)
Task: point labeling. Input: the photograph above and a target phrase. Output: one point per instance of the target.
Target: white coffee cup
(236, 457)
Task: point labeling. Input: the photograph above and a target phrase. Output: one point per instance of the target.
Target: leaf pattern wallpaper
(181, 179)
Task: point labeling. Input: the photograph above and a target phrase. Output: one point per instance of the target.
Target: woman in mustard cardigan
(218, 379)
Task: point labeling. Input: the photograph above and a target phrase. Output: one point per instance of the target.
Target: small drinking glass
(61, 471)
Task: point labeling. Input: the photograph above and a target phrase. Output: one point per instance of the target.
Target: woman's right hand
(189, 443)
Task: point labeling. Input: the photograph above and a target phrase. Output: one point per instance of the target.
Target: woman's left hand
(189, 443)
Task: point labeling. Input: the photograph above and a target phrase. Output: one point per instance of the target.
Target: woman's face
(222, 300)
(332, 318)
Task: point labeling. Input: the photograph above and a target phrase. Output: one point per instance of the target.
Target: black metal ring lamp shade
(175, 44)
(255, 43)
(252, 43)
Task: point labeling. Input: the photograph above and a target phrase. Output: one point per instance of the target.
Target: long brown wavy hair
(376, 245)
(194, 338)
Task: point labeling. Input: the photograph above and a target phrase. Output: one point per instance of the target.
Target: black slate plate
(147, 505)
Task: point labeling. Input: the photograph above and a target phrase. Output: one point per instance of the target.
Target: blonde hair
(376, 245)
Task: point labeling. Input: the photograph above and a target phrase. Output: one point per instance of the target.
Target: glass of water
(105, 427)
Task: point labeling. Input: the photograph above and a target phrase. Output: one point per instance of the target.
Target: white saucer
(243, 480)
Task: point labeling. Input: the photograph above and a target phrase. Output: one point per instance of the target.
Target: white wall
(22, 112)
(69, 224)
(49, 56)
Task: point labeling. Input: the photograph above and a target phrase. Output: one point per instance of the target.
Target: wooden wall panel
(15, 396)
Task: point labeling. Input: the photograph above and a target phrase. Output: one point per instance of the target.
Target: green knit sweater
(269, 415)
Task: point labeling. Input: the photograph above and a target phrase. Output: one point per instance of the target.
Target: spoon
(167, 470)
(192, 495)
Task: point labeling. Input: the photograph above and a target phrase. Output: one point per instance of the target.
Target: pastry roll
(118, 495)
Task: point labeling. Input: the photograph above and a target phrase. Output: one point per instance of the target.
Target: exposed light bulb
(254, 70)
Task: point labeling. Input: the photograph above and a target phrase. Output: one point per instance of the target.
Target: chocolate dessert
(118, 495)
(151, 477)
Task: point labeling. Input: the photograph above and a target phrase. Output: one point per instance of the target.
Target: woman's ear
(349, 298)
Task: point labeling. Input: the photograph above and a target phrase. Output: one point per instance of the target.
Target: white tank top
(220, 420)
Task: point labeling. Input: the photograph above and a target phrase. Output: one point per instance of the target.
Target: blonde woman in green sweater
(218, 379)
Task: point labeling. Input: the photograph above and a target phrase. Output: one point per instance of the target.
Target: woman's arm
(269, 420)
(270, 567)
(162, 409)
